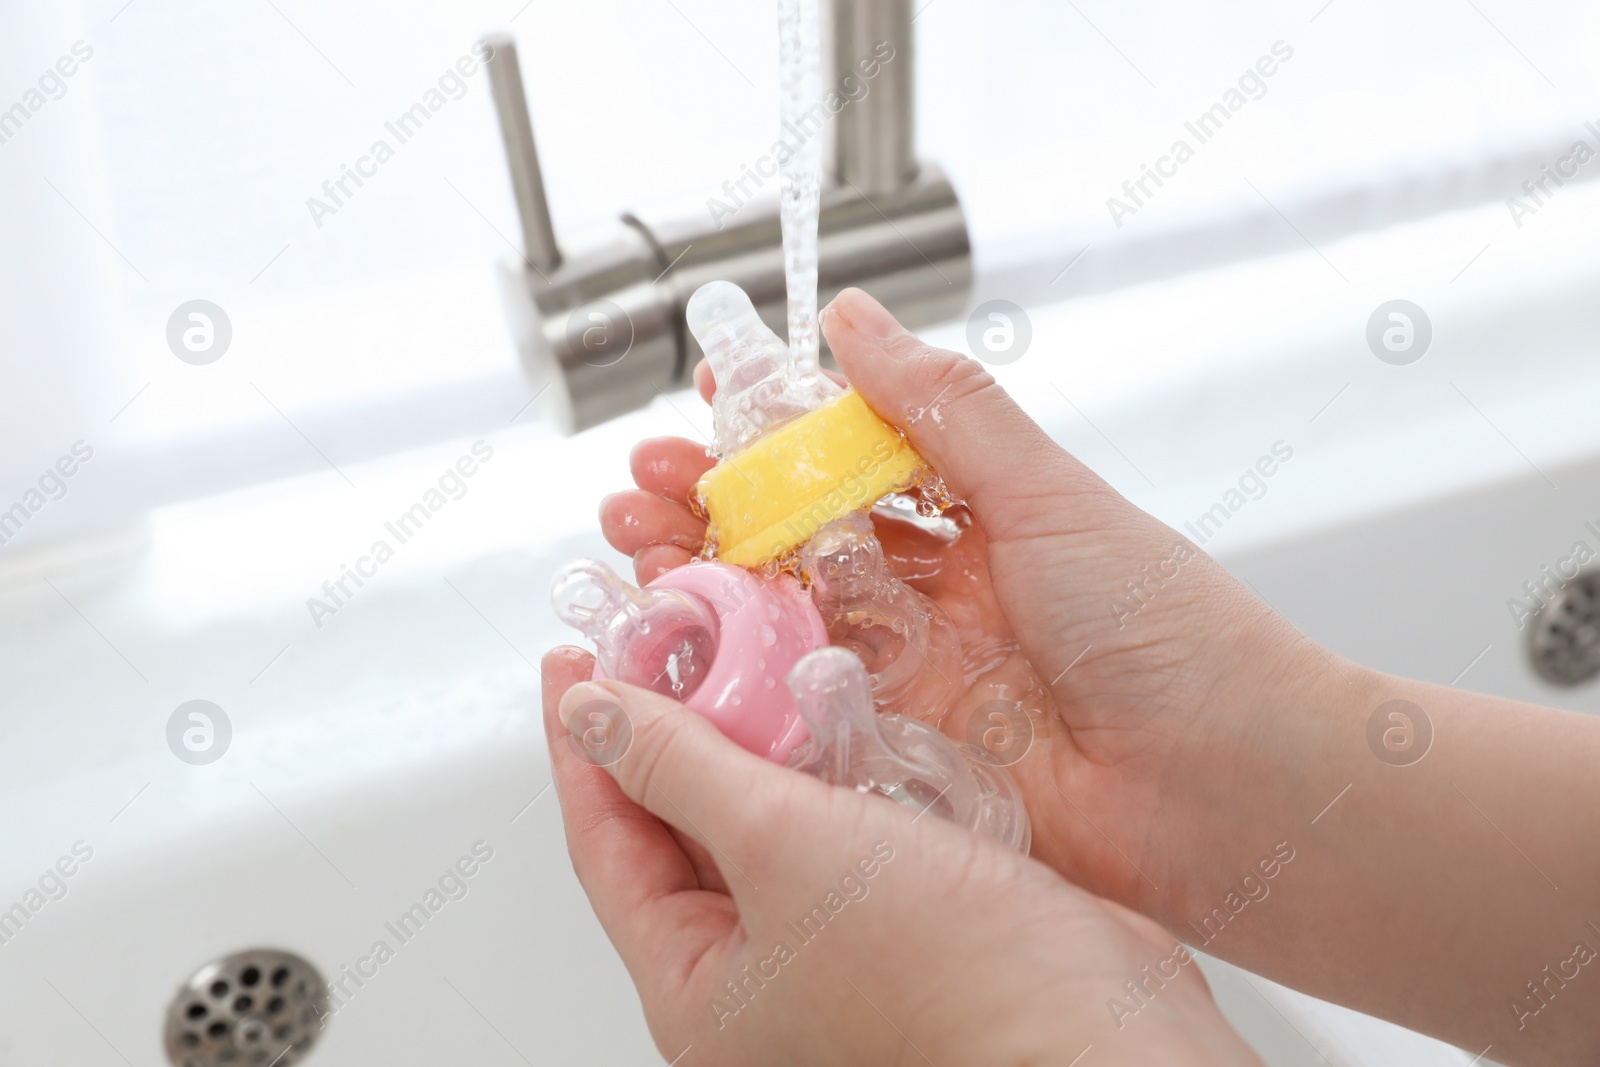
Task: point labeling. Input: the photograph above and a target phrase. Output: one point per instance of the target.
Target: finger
(609, 836)
(956, 415)
(633, 518)
(705, 381)
(652, 561)
(669, 466)
(680, 768)
(629, 863)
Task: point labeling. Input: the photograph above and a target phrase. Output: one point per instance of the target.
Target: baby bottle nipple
(658, 639)
(758, 386)
(713, 636)
(896, 756)
(797, 451)
(802, 465)
(909, 645)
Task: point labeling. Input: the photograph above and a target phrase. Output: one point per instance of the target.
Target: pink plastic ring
(765, 626)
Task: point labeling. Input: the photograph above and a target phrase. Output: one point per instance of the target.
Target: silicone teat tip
(732, 335)
(719, 304)
(830, 684)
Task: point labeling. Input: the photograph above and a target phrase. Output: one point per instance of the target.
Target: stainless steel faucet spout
(874, 144)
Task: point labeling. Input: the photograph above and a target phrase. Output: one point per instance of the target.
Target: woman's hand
(1205, 763)
(767, 917)
(1152, 667)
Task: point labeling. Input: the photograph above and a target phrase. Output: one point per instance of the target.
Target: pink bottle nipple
(713, 636)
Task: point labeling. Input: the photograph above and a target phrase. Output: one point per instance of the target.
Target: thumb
(678, 766)
(989, 452)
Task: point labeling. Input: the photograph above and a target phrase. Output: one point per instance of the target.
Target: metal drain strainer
(1564, 638)
(254, 1008)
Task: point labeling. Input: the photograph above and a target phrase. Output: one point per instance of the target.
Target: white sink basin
(371, 752)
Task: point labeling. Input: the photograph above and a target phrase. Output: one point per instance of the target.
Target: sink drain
(1564, 639)
(250, 1009)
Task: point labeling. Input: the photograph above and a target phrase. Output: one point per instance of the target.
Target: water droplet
(735, 700)
(769, 684)
(769, 636)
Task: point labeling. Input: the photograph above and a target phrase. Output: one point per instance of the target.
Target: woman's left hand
(767, 917)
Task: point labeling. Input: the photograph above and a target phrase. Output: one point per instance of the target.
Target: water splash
(911, 648)
(802, 117)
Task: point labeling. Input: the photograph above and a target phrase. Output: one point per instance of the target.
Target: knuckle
(597, 831)
(939, 370)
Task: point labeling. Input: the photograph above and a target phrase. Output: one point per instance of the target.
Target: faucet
(605, 309)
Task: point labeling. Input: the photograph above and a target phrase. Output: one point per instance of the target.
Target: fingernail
(581, 694)
(865, 315)
(598, 728)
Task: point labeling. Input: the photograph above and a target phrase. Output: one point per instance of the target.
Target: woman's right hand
(1196, 743)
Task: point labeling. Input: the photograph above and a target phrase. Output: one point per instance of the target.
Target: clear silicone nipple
(898, 757)
(909, 645)
(758, 384)
(912, 651)
(659, 639)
